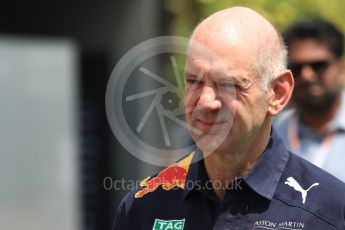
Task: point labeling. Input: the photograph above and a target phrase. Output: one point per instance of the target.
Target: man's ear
(280, 92)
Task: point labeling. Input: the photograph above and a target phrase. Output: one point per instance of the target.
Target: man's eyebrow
(191, 75)
(225, 77)
(229, 78)
(235, 77)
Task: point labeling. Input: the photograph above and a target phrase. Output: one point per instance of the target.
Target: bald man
(241, 176)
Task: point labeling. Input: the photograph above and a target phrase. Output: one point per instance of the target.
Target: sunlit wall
(38, 134)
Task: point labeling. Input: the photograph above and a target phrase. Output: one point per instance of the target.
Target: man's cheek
(189, 105)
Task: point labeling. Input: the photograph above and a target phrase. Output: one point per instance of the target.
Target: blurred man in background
(314, 127)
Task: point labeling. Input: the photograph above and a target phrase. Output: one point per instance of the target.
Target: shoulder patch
(171, 177)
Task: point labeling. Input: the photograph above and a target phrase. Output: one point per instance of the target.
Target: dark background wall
(103, 31)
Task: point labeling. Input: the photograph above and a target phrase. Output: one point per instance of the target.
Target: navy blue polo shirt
(282, 191)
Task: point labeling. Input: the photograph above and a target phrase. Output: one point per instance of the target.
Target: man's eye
(193, 82)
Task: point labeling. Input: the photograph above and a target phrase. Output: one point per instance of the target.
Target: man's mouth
(207, 125)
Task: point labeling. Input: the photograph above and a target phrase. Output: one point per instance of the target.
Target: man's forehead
(218, 33)
(222, 53)
(220, 44)
(219, 73)
(231, 66)
(195, 66)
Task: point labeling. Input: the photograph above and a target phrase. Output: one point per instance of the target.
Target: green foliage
(187, 13)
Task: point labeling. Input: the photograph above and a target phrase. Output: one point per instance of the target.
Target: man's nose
(209, 99)
(308, 74)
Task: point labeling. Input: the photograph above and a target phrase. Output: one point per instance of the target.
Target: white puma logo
(295, 185)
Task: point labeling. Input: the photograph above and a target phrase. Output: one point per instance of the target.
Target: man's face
(316, 73)
(223, 99)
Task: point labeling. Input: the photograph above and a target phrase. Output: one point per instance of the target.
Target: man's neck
(318, 121)
(223, 168)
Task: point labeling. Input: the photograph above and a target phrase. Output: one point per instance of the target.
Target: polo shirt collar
(263, 178)
(266, 173)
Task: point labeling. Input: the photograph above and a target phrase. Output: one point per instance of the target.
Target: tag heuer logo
(168, 224)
